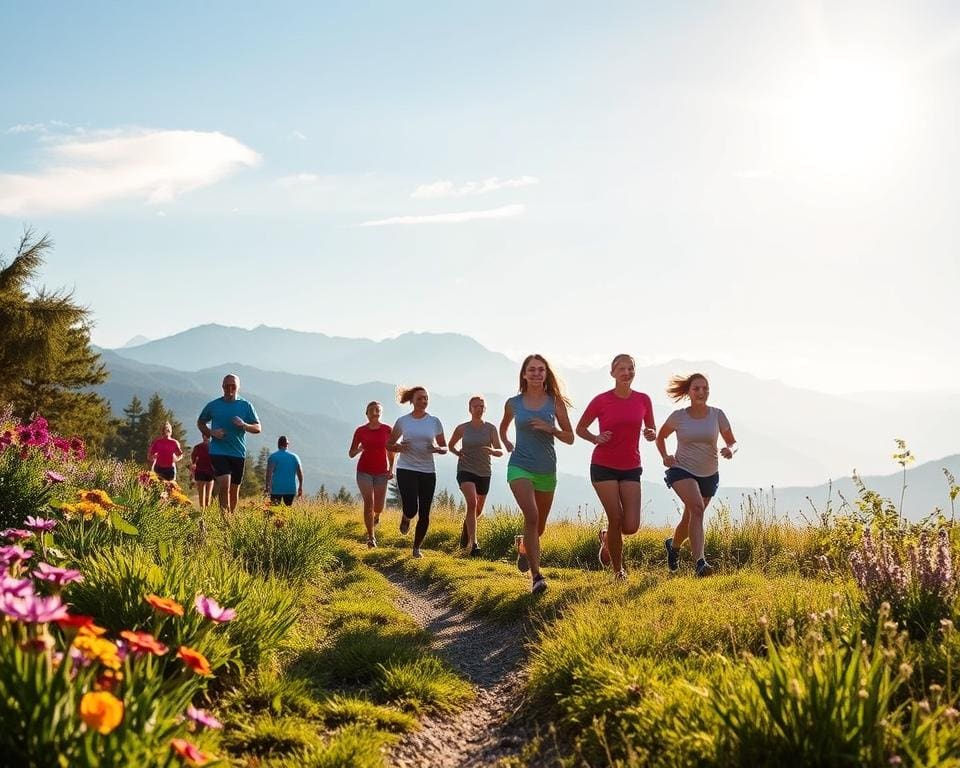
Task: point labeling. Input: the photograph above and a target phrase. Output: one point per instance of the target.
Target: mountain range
(793, 439)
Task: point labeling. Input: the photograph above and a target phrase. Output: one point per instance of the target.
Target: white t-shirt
(418, 436)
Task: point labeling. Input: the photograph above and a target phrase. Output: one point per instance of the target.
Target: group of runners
(539, 413)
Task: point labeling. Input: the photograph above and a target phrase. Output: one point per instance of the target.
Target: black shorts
(286, 498)
(228, 465)
(167, 473)
(600, 474)
(708, 485)
(202, 477)
(482, 483)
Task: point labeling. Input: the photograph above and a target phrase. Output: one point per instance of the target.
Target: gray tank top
(697, 440)
(534, 449)
(473, 450)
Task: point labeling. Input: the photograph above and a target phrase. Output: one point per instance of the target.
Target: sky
(772, 186)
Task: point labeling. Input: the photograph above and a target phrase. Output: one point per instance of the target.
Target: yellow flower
(101, 710)
(89, 510)
(100, 498)
(98, 649)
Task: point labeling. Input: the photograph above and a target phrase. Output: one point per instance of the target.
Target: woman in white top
(416, 437)
(693, 470)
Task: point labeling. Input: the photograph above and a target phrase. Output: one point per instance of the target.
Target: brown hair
(371, 404)
(620, 357)
(405, 394)
(679, 386)
(552, 385)
(481, 398)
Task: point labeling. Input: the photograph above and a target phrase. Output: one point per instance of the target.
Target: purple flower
(32, 609)
(55, 477)
(16, 587)
(12, 554)
(202, 717)
(15, 534)
(209, 608)
(39, 523)
(58, 576)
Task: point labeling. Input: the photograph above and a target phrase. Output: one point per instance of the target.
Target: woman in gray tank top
(480, 442)
(540, 416)
(692, 471)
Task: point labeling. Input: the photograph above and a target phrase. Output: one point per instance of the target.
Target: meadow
(139, 630)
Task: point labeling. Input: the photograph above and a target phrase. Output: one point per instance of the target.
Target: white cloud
(155, 166)
(27, 128)
(298, 180)
(506, 212)
(446, 188)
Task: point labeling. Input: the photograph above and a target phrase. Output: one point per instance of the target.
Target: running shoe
(475, 551)
(703, 568)
(371, 543)
(673, 556)
(604, 554)
(523, 563)
(620, 575)
(417, 553)
(404, 524)
(539, 584)
(464, 539)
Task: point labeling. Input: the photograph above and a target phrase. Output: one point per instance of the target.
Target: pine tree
(251, 485)
(343, 496)
(393, 496)
(131, 433)
(260, 468)
(46, 363)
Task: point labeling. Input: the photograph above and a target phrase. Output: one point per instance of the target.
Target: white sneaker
(417, 553)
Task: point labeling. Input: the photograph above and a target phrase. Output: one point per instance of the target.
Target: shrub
(423, 685)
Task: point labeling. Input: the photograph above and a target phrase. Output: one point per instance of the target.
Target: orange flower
(100, 498)
(165, 605)
(101, 710)
(91, 630)
(143, 642)
(195, 660)
(189, 752)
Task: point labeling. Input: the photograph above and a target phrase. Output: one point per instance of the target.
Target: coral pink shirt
(625, 419)
(373, 458)
(164, 448)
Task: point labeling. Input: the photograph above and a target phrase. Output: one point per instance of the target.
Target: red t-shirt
(200, 457)
(625, 419)
(373, 458)
(164, 448)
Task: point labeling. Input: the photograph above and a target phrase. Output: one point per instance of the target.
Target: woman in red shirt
(201, 470)
(615, 469)
(375, 467)
(164, 454)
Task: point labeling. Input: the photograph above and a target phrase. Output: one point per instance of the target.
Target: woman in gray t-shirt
(693, 470)
(480, 442)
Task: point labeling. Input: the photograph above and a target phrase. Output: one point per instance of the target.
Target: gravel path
(488, 654)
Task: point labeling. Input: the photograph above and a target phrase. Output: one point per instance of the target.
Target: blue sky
(772, 186)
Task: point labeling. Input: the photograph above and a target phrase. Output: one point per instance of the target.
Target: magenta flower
(209, 608)
(13, 553)
(55, 477)
(15, 534)
(202, 717)
(57, 576)
(32, 609)
(39, 523)
(16, 587)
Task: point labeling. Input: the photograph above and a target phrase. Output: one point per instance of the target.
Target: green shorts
(541, 482)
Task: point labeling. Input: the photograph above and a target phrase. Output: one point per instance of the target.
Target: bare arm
(494, 449)
(504, 423)
(178, 454)
(455, 438)
(665, 431)
(393, 442)
(441, 446)
(299, 480)
(731, 443)
(565, 433)
(585, 434)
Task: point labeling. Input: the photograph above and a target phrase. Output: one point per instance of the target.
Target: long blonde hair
(552, 385)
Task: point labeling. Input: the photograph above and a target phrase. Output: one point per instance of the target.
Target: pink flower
(39, 523)
(55, 477)
(15, 534)
(58, 576)
(16, 587)
(209, 608)
(202, 717)
(32, 609)
(13, 553)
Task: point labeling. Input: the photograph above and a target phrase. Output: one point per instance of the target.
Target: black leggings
(416, 495)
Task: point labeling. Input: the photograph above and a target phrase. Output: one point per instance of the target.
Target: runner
(416, 437)
(693, 472)
(480, 442)
(284, 480)
(615, 470)
(375, 468)
(532, 471)
(201, 470)
(164, 454)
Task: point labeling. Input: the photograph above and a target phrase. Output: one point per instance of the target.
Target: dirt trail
(490, 655)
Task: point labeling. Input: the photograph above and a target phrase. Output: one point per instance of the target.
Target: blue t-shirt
(219, 413)
(533, 450)
(284, 479)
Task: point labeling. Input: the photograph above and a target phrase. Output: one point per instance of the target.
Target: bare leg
(234, 496)
(527, 500)
(366, 493)
(608, 491)
(379, 499)
(693, 507)
(470, 496)
(223, 494)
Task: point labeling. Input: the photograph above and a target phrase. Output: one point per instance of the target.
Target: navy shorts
(286, 498)
(708, 485)
(600, 474)
(167, 473)
(228, 465)
(202, 477)
(482, 483)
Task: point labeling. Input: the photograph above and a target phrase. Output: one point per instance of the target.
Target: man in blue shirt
(227, 420)
(284, 474)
